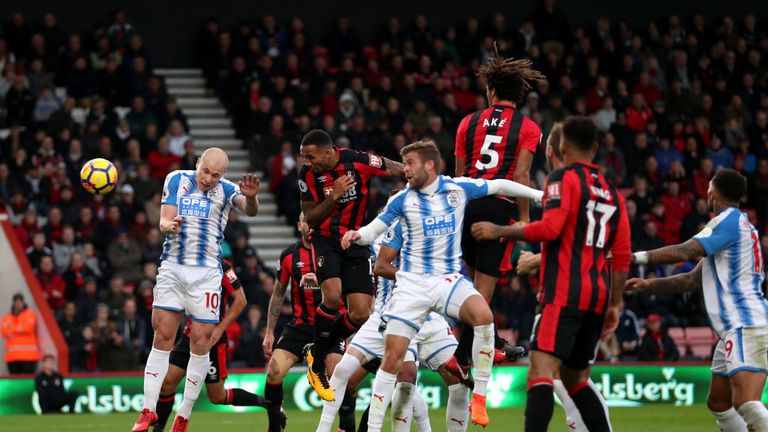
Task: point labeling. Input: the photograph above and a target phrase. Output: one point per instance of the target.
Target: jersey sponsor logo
(195, 207)
(303, 186)
(374, 161)
(453, 199)
(348, 196)
(433, 226)
(553, 190)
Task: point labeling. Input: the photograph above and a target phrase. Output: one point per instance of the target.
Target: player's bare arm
(680, 283)
(395, 169)
(528, 262)
(522, 175)
(238, 304)
(680, 252)
(273, 314)
(170, 221)
(249, 202)
(365, 235)
(460, 162)
(384, 259)
(491, 231)
(317, 213)
(612, 313)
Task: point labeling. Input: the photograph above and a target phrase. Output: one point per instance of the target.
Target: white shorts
(416, 295)
(370, 340)
(191, 289)
(435, 342)
(742, 349)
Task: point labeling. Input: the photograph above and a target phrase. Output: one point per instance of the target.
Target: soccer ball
(98, 176)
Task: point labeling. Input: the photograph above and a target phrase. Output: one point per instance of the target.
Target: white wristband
(641, 257)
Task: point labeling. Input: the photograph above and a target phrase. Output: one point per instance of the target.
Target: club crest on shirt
(213, 192)
(166, 193)
(303, 186)
(553, 190)
(320, 261)
(453, 199)
(231, 276)
(390, 234)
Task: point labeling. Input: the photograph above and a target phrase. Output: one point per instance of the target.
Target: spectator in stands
(251, 338)
(75, 276)
(656, 345)
(177, 138)
(19, 329)
(65, 249)
(49, 385)
(45, 106)
(88, 301)
(235, 227)
(628, 334)
(171, 112)
(119, 292)
(52, 284)
(114, 354)
(37, 250)
(133, 328)
(124, 256)
(189, 159)
(152, 246)
(70, 326)
(162, 160)
(84, 353)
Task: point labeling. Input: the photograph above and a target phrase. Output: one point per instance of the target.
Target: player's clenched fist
(485, 231)
(309, 279)
(349, 237)
(341, 185)
(528, 262)
(173, 226)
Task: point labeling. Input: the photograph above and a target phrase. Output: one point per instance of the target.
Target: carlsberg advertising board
(624, 386)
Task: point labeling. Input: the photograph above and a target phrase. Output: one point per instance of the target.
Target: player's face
(415, 170)
(303, 227)
(316, 159)
(711, 194)
(208, 174)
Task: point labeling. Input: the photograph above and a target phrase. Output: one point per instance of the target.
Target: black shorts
(295, 337)
(569, 334)
(218, 356)
(490, 257)
(353, 265)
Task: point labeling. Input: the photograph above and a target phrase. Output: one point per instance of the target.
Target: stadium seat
(678, 335)
(701, 351)
(700, 341)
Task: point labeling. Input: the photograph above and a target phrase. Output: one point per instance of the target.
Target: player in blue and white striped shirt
(193, 215)
(431, 211)
(731, 275)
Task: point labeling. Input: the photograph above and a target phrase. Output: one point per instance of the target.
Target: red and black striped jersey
(349, 212)
(296, 261)
(229, 284)
(490, 141)
(584, 219)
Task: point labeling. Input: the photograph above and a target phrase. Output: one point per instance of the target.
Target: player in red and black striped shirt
(498, 142)
(295, 269)
(214, 380)
(584, 220)
(334, 186)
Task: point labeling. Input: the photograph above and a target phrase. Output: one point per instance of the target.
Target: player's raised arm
(170, 221)
(394, 169)
(680, 252)
(522, 175)
(368, 233)
(248, 201)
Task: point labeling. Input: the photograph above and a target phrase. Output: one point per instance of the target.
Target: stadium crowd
(674, 101)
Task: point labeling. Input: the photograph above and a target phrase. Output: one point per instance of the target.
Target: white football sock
(197, 368)
(154, 374)
(730, 421)
(421, 412)
(402, 407)
(383, 387)
(482, 357)
(756, 416)
(457, 412)
(346, 367)
(572, 416)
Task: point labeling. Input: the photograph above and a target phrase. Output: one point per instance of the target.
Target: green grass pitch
(646, 419)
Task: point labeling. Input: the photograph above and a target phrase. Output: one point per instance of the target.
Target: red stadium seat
(700, 340)
(702, 351)
(678, 335)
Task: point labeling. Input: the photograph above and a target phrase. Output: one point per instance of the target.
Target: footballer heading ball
(98, 176)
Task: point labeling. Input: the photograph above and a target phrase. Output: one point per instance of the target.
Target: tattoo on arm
(681, 283)
(275, 304)
(316, 213)
(394, 169)
(689, 250)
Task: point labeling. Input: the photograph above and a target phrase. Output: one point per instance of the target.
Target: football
(98, 176)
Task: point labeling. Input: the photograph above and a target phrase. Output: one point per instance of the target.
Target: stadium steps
(210, 126)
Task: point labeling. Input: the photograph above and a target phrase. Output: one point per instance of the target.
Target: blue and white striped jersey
(432, 220)
(205, 217)
(732, 273)
(392, 237)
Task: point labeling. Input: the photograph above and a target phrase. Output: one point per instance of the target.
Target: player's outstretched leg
(341, 374)
(421, 412)
(197, 368)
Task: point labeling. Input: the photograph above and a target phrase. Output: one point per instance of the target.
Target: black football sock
(274, 393)
(540, 405)
(364, 421)
(240, 397)
(324, 337)
(163, 410)
(343, 327)
(463, 352)
(347, 412)
(591, 408)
